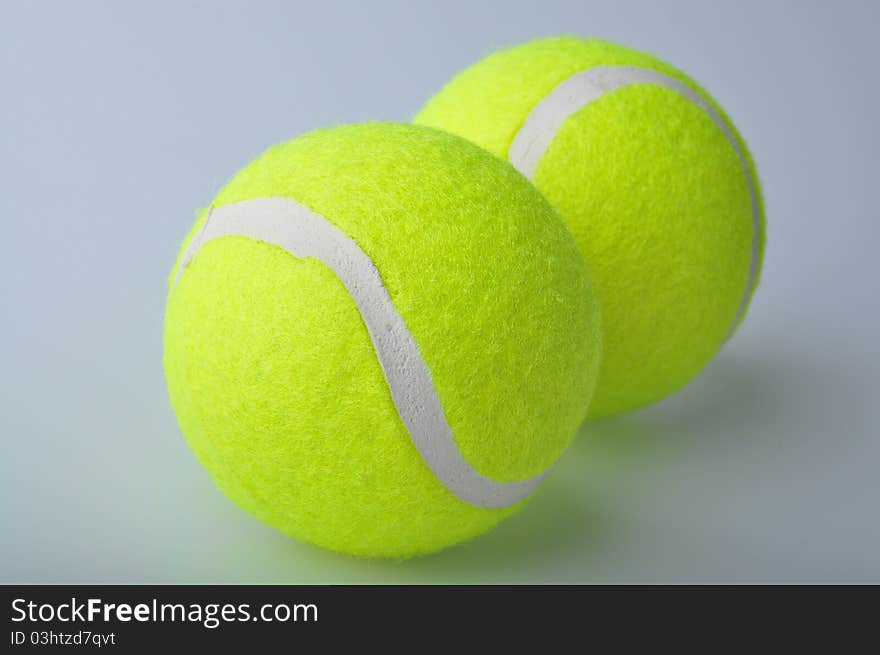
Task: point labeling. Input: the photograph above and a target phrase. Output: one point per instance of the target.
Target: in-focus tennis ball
(654, 182)
(379, 338)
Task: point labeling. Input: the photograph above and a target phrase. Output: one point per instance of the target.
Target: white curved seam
(287, 224)
(570, 96)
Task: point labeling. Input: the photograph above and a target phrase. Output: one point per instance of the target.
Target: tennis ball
(374, 339)
(654, 182)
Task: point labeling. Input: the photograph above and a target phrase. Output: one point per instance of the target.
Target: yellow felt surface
(653, 192)
(273, 376)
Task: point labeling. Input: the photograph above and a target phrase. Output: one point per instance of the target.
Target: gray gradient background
(118, 121)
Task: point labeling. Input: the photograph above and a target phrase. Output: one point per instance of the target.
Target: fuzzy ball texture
(653, 192)
(275, 380)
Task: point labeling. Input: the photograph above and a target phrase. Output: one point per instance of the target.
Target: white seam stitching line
(541, 125)
(303, 233)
